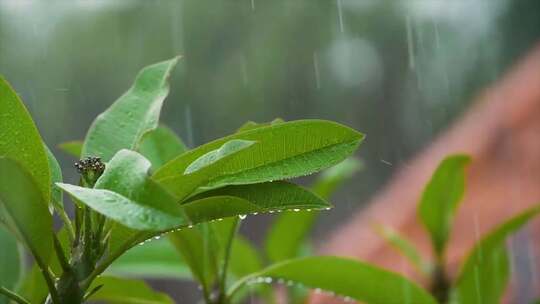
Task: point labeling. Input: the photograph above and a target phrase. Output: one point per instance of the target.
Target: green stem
(67, 222)
(60, 254)
(223, 281)
(440, 285)
(13, 296)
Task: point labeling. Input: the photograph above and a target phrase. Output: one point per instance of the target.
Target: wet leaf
(344, 278)
(156, 259)
(126, 291)
(161, 145)
(24, 210)
(282, 151)
(20, 139)
(441, 198)
(129, 118)
(484, 275)
(250, 125)
(127, 195)
(210, 158)
(73, 148)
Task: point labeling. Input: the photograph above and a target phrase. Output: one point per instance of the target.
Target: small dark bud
(90, 168)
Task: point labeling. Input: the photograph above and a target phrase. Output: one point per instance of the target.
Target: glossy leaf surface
(344, 278)
(136, 112)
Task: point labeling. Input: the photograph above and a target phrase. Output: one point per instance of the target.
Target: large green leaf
(135, 113)
(126, 291)
(73, 148)
(283, 151)
(441, 198)
(20, 139)
(161, 145)
(157, 259)
(23, 208)
(344, 278)
(229, 148)
(127, 195)
(484, 274)
(10, 263)
(289, 231)
(56, 177)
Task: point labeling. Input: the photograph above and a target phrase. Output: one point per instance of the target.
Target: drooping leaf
(484, 274)
(290, 229)
(127, 195)
(157, 259)
(56, 177)
(245, 258)
(10, 263)
(23, 208)
(20, 139)
(441, 198)
(214, 156)
(129, 118)
(126, 291)
(196, 252)
(161, 145)
(283, 151)
(73, 148)
(345, 278)
(404, 247)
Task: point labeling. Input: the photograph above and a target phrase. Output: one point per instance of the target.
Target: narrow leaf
(20, 139)
(23, 209)
(135, 113)
(441, 198)
(245, 258)
(332, 178)
(213, 156)
(161, 145)
(345, 278)
(484, 274)
(73, 148)
(404, 247)
(283, 151)
(56, 177)
(126, 291)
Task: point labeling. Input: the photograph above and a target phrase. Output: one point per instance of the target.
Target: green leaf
(196, 252)
(404, 247)
(33, 286)
(156, 259)
(287, 234)
(123, 125)
(161, 145)
(214, 156)
(56, 177)
(20, 139)
(24, 210)
(441, 198)
(244, 258)
(289, 230)
(10, 263)
(73, 148)
(283, 151)
(126, 291)
(345, 278)
(127, 195)
(484, 274)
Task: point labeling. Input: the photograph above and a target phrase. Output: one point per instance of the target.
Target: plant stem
(440, 285)
(223, 281)
(13, 296)
(60, 254)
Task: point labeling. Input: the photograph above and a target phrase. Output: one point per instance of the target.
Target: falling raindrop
(340, 16)
(410, 44)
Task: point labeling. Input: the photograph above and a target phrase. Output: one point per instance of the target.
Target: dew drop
(242, 216)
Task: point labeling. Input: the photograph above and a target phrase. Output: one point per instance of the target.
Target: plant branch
(60, 254)
(13, 296)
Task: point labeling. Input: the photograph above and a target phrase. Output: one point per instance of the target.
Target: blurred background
(399, 71)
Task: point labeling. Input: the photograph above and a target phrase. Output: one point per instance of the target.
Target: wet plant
(139, 183)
